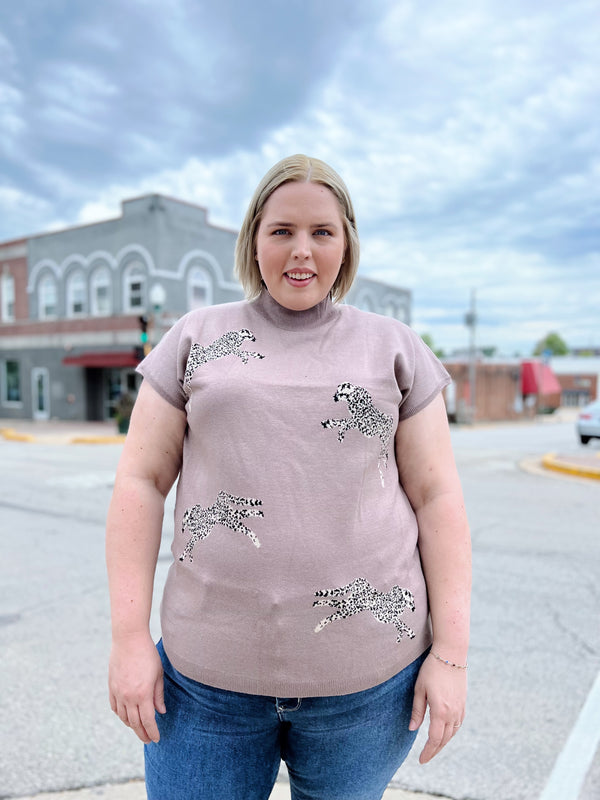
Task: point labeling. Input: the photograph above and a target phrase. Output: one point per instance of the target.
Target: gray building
(71, 303)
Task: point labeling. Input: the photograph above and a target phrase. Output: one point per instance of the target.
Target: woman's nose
(301, 248)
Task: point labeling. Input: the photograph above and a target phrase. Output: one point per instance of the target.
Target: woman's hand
(444, 689)
(135, 684)
(148, 467)
(429, 477)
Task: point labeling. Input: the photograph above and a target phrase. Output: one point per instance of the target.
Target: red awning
(538, 378)
(125, 358)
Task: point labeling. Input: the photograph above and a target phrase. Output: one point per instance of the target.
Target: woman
(318, 599)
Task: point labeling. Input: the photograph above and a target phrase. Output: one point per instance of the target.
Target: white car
(588, 422)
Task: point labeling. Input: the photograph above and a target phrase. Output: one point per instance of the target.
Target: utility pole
(471, 323)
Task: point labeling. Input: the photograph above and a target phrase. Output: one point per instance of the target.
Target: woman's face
(300, 244)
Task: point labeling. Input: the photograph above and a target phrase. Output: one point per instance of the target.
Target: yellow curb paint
(98, 439)
(550, 461)
(12, 436)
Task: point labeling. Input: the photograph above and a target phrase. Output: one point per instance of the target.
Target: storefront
(108, 376)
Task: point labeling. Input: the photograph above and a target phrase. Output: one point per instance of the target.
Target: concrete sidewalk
(134, 790)
(581, 465)
(60, 432)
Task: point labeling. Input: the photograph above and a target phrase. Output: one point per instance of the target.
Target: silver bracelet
(450, 663)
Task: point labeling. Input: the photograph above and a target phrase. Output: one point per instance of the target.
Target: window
(47, 298)
(199, 288)
(134, 294)
(101, 292)
(76, 295)
(11, 382)
(8, 298)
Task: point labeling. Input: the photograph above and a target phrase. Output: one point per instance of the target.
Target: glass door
(40, 393)
(116, 383)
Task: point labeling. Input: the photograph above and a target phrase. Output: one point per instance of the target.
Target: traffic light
(143, 328)
(146, 346)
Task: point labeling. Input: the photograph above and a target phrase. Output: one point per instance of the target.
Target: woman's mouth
(299, 278)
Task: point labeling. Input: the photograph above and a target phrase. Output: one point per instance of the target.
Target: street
(535, 650)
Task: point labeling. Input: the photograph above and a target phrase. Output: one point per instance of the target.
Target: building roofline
(80, 226)
(14, 242)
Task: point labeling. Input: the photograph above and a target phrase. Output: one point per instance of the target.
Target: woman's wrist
(449, 663)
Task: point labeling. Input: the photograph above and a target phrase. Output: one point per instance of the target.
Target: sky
(467, 132)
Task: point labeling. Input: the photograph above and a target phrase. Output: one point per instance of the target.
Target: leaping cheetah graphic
(200, 521)
(361, 596)
(366, 418)
(228, 344)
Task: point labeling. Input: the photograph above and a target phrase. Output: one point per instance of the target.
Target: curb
(568, 466)
(11, 435)
(117, 439)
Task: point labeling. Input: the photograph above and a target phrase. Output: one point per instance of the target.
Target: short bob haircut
(299, 169)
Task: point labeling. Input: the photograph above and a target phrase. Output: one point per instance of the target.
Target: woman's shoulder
(369, 320)
(215, 315)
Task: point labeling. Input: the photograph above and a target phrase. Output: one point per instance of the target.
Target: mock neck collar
(285, 318)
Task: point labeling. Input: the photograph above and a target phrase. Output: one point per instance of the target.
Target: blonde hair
(301, 169)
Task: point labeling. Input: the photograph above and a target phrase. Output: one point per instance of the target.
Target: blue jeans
(221, 745)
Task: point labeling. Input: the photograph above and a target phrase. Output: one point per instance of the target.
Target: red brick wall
(496, 388)
(17, 267)
(580, 383)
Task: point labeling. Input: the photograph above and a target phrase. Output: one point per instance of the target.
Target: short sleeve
(164, 366)
(420, 374)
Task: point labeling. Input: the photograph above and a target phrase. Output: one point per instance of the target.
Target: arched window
(47, 298)
(134, 288)
(200, 288)
(100, 292)
(8, 298)
(76, 295)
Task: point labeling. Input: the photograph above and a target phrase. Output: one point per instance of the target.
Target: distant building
(499, 389)
(579, 377)
(71, 303)
(382, 298)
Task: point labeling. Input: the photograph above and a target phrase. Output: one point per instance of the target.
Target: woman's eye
(280, 232)
(323, 232)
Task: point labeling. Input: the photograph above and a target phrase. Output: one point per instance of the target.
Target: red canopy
(538, 378)
(124, 358)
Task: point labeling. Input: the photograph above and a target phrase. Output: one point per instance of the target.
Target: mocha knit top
(296, 569)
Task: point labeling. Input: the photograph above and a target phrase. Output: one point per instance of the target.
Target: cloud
(467, 134)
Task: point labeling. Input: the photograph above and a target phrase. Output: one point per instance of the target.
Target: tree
(552, 342)
(428, 339)
(489, 352)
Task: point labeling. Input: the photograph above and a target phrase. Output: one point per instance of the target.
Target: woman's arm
(429, 477)
(148, 467)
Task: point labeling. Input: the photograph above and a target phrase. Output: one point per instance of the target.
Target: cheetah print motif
(386, 607)
(365, 418)
(200, 521)
(228, 344)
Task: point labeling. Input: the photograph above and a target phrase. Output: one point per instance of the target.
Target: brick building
(579, 377)
(504, 390)
(71, 302)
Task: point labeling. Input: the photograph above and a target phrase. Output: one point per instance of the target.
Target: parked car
(588, 422)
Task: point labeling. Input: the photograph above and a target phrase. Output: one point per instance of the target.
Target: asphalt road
(535, 635)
